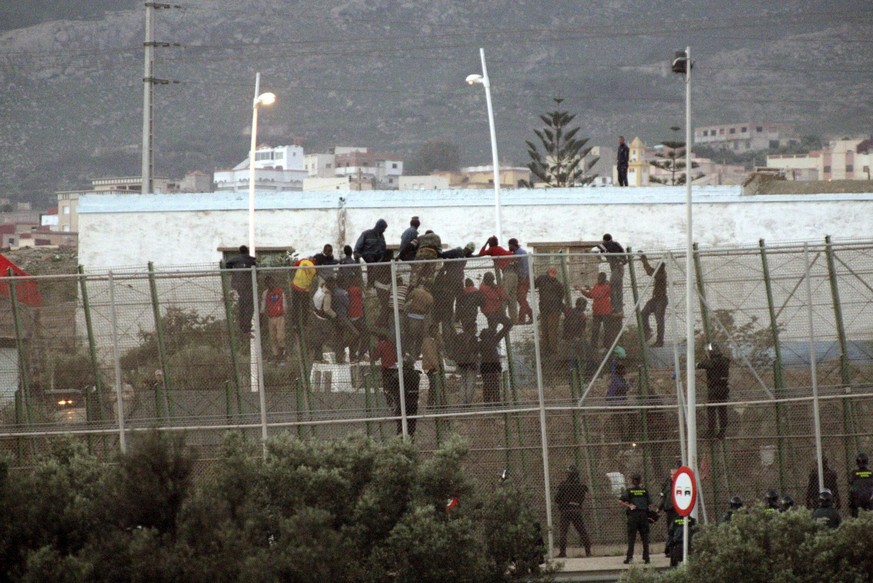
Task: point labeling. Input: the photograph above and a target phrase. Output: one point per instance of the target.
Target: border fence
(497, 349)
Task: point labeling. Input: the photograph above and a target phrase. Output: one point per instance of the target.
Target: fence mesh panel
(486, 346)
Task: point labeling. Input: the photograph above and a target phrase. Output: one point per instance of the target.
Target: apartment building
(746, 136)
(840, 160)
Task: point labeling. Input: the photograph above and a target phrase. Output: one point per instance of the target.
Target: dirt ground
(45, 261)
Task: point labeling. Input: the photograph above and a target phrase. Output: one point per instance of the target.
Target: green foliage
(673, 160)
(563, 161)
(351, 510)
(790, 547)
(188, 338)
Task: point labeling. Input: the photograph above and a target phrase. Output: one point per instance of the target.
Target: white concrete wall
(180, 229)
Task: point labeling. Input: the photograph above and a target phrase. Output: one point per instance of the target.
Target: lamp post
(260, 99)
(256, 372)
(682, 65)
(484, 80)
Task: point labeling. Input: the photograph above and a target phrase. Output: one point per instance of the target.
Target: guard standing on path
(666, 504)
(571, 495)
(637, 501)
(861, 486)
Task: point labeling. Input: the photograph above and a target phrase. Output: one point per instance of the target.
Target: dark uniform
(571, 495)
(861, 487)
(677, 536)
(241, 282)
(638, 497)
(827, 515)
(735, 504)
(717, 367)
(666, 505)
(830, 482)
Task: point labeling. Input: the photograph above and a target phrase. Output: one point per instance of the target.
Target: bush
(352, 510)
(790, 547)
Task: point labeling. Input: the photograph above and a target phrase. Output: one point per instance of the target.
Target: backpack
(274, 303)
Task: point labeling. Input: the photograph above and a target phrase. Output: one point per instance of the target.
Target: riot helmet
(861, 459)
(786, 503)
(825, 498)
(736, 503)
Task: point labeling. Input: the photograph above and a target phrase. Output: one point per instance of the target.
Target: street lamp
(260, 99)
(476, 79)
(256, 372)
(682, 65)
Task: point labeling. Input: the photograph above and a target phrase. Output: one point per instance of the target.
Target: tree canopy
(351, 510)
(559, 159)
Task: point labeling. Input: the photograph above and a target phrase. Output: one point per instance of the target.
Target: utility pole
(148, 84)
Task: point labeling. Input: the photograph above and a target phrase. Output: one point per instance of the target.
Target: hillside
(389, 74)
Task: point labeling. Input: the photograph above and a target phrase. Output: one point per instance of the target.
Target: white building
(278, 169)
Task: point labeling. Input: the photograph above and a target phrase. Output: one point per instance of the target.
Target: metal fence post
(813, 372)
(93, 410)
(644, 365)
(228, 316)
(677, 370)
(845, 373)
(544, 439)
(257, 358)
(401, 366)
(116, 352)
(23, 367)
(778, 379)
(162, 348)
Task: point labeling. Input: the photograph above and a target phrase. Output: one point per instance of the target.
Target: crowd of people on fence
(435, 306)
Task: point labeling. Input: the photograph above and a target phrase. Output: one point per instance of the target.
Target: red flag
(27, 290)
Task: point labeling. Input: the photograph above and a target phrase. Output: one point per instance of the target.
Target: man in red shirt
(601, 308)
(506, 261)
(493, 302)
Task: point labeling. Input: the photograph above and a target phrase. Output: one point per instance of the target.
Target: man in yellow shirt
(301, 281)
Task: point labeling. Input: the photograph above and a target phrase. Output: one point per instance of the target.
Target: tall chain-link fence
(540, 362)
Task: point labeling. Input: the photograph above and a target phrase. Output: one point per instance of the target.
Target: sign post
(684, 494)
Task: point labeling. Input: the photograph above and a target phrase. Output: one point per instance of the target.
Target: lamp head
(474, 78)
(266, 99)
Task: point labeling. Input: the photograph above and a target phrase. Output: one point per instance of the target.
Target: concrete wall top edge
(235, 201)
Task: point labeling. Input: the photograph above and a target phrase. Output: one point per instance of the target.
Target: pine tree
(563, 160)
(674, 161)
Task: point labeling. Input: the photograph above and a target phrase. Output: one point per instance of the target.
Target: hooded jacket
(371, 243)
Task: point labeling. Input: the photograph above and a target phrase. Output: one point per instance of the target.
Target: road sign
(684, 491)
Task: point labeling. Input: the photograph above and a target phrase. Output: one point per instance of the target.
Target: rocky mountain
(390, 74)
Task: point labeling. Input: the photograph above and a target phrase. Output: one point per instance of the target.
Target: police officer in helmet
(826, 513)
(735, 504)
(861, 486)
(771, 501)
(571, 495)
(786, 503)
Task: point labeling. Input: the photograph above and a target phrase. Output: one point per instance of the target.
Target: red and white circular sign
(684, 491)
